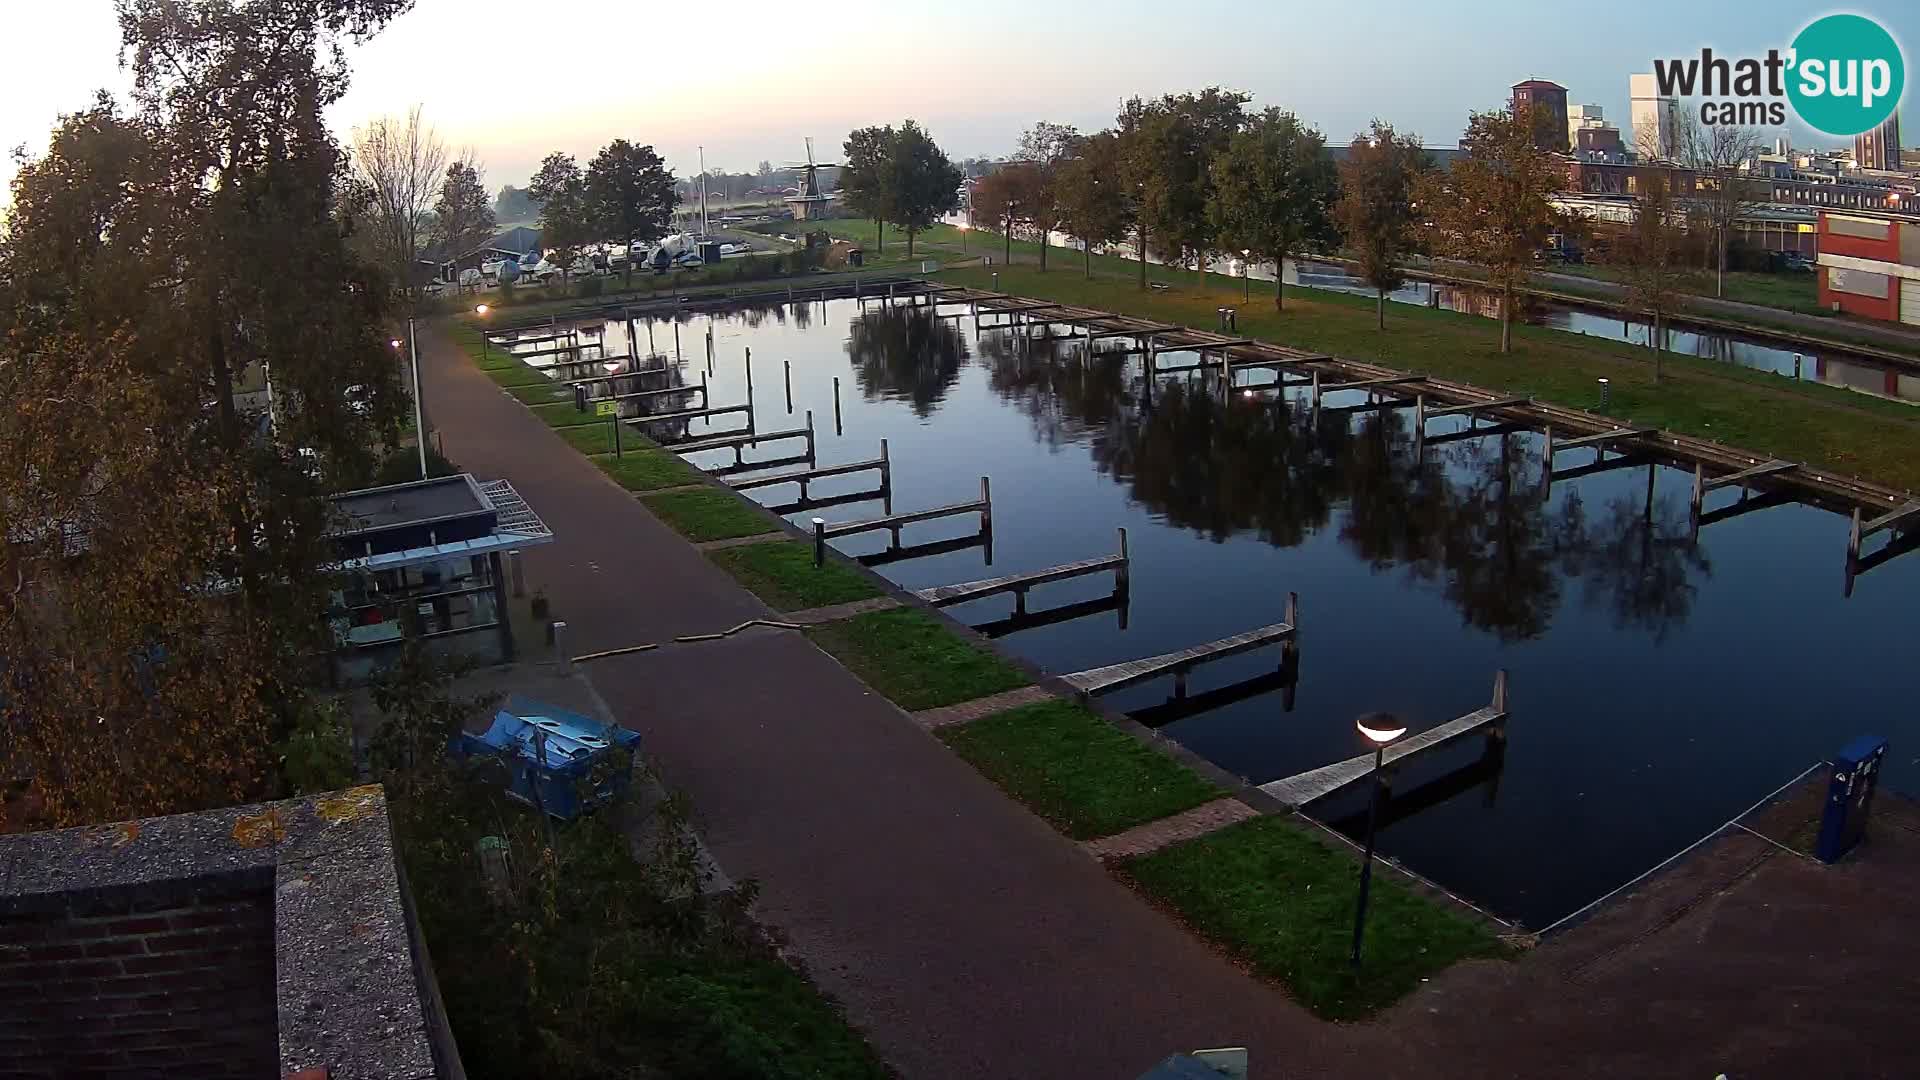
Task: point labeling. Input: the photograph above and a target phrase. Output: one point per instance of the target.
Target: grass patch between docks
(1283, 901)
(648, 470)
(709, 514)
(915, 661)
(783, 575)
(1079, 772)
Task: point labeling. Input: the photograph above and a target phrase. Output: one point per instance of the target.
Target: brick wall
(131, 989)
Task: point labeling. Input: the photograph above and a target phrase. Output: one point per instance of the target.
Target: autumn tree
(1091, 196)
(1651, 252)
(164, 562)
(1007, 198)
(566, 212)
(922, 182)
(1378, 179)
(1494, 207)
(462, 215)
(865, 184)
(400, 159)
(1722, 191)
(1169, 145)
(1272, 192)
(630, 195)
(1045, 149)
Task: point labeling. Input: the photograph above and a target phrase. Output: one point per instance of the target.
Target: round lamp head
(1380, 728)
(395, 343)
(480, 309)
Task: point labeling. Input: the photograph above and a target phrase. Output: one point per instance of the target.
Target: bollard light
(1379, 729)
(395, 343)
(480, 309)
(1606, 392)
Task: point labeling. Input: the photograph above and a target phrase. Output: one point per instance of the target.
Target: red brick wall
(1860, 247)
(1854, 304)
(181, 992)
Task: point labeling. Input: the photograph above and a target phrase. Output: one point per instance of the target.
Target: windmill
(810, 203)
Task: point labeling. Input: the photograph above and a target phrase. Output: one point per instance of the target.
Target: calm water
(1659, 685)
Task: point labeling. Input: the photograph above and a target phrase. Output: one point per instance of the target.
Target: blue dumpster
(552, 756)
(1850, 787)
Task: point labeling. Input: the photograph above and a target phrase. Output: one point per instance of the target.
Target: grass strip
(708, 514)
(1284, 902)
(915, 661)
(784, 576)
(647, 470)
(1076, 770)
(1825, 426)
(595, 438)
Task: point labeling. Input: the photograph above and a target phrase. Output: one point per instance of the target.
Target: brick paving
(980, 707)
(1186, 825)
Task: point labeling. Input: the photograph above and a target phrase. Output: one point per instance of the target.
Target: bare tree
(401, 160)
(1650, 253)
(1722, 190)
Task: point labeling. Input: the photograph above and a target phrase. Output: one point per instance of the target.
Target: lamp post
(1246, 275)
(419, 416)
(964, 230)
(1380, 729)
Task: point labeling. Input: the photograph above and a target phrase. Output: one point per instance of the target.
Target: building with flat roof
(1655, 120)
(1548, 101)
(1878, 148)
(1869, 265)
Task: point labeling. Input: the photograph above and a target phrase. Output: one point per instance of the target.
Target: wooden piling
(786, 367)
(837, 429)
(886, 468)
(617, 453)
(1853, 541)
(819, 541)
(986, 505)
(749, 375)
(812, 452)
(1123, 576)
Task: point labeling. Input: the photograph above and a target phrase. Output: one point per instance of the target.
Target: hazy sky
(515, 79)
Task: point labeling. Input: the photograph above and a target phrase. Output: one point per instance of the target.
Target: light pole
(964, 229)
(1380, 729)
(419, 421)
(1246, 275)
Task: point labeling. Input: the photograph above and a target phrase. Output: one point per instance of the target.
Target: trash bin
(1850, 786)
(856, 258)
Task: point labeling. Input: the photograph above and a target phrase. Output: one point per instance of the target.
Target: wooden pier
(691, 414)
(1019, 584)
(739, 443)
(893, 523)
(1298, 790)
(1900, 518)
(1105, 680)
(803, 477)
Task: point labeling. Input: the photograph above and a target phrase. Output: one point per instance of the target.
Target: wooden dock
(690, 414)
(804, 477)
(1303, 788)
(893, 523)
(1105, 680)
(739, 443)
(1019, 584)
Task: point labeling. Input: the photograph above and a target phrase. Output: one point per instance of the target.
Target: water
(1659, 686)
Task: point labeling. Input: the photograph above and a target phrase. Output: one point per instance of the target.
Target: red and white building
(1869, 265)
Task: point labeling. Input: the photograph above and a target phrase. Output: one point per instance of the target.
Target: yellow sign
(606, 408)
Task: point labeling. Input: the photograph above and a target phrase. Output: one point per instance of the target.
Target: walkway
(964, 935)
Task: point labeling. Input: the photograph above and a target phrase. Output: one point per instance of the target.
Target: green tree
(865, 183)
(631, 195)
(566, 212)
(1494, 207)
(1092, 199)
(1378, 179)
(1007, 198)
(1272, 190)
(1169, 148)
(1046, 149)
(923, 183)
(462, 215)
(512, 204)
(164, 561)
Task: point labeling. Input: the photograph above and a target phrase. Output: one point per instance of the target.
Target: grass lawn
(709, 514)
(537, 394)
(1076, 770)
(596, 438)
(647, 470)
(916, 662)
(1284, 902)
(1786, 291)
(1825, 426)
(783, 575)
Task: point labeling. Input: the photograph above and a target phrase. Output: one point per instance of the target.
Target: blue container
(1850, 787)
(552, 756)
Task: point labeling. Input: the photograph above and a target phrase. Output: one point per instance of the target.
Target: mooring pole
(1853, 541)
(886, 468)
(652, 350)
(749, 377)
(837, 430)
(819, 541)
(676, 343)
(812, 455)
(616, 431)
(986, 505)
(786, 367)
(1123, 581)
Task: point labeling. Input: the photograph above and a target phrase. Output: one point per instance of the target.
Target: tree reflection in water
(1473, 516)
(905, 354)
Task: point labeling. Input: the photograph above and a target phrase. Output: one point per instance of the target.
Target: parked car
(1797, 263)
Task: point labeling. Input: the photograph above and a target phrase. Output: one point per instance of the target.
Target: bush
(591, 286)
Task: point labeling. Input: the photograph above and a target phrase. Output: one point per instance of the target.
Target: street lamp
(419, 415)
(1380, 729)
(480, 309)
(964, 229)
(1246, 274)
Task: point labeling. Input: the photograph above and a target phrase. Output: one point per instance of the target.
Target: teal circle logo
(1847, 74)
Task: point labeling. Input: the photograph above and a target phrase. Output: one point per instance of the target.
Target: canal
(1660, 684)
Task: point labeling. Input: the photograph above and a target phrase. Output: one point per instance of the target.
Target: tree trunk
(1087, 247)
(1006, 235)
(1720, 269)
(1279, 278)
(880, 237)
(1380, 308)
(1659, 344)
(1143, 258)
(1506, 316)
(1043, 251)
(910, 233)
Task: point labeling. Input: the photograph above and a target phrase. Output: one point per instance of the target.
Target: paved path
(965, 935)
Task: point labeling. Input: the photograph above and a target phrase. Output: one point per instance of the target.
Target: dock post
(787, 371)
(749, 376)
(1699, 490)
(706, 396)
(812, 454)
(1419, 415)
(1292, 616)
(1123, 577)
(819, 542)
(986, 505)
(1853, 541)
(677, 358)
(1316, 389)
(1497, 732)
(651, 349)
(617, 453)
(837, 429)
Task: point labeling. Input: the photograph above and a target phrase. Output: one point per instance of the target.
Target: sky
(750, 80)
